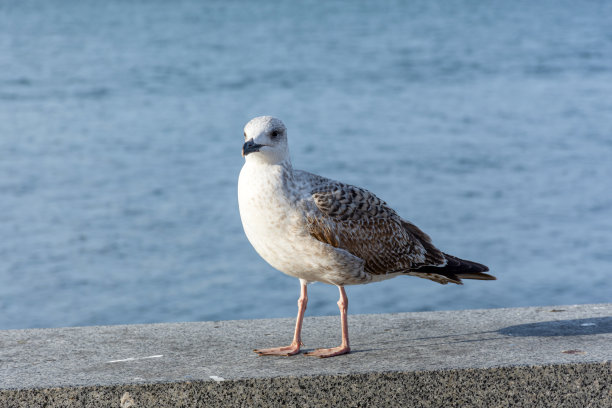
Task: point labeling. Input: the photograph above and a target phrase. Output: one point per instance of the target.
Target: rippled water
(487, 124)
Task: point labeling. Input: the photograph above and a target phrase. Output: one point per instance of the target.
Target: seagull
(321, 230)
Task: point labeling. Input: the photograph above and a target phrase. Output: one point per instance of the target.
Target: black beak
(250, 147)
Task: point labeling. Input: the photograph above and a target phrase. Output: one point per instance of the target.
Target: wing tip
(477, 276)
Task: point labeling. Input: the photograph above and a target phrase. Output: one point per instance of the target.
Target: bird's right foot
(279, 351)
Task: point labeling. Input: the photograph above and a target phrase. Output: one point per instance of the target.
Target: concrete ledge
(539, 356)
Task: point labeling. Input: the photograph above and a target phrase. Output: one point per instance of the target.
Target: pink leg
(344, 348)
(294, 348)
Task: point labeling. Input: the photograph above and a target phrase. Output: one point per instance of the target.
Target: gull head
(265, 140)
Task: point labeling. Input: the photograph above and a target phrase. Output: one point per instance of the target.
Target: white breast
(266, 213)
(275, 226)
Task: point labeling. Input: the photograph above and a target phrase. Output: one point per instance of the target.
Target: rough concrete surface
(537, 356)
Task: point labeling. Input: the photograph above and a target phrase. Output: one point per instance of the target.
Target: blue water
(488, 124)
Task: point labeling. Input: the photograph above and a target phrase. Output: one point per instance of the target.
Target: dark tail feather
(457, 269)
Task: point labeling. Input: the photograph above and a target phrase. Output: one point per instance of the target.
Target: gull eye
(274, 134)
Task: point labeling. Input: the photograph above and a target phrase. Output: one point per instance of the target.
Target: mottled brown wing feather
(356, 220)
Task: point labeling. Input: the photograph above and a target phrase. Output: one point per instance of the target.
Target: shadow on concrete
(575, 327)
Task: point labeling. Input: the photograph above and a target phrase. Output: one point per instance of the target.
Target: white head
(265, 140)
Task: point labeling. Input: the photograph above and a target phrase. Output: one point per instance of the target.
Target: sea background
(488, 124)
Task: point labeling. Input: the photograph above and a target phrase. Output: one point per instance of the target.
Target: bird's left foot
(329, 352)
(294, 348)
